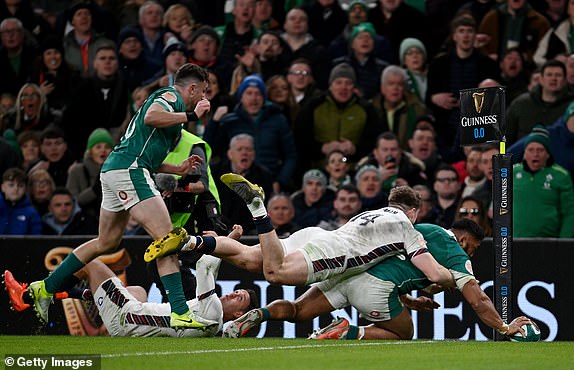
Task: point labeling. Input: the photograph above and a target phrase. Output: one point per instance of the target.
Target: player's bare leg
(277, 267)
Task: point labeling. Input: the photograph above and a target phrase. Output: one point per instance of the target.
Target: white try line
(200, 351)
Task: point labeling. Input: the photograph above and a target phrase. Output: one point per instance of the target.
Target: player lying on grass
(377, 293)
(364, 241)
(126, 312)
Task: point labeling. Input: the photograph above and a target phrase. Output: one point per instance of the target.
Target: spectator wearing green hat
(357, 11)
(362, 59)
(561, 135)
(84, 178)
(543, 192)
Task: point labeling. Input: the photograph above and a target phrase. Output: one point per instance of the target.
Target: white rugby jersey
(123, 315)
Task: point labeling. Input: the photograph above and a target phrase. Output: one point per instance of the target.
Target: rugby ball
(532, 334)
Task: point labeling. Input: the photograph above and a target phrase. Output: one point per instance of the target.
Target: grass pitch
(294, 354)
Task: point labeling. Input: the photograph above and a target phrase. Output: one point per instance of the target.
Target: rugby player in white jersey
(365, 240)
(380, 294)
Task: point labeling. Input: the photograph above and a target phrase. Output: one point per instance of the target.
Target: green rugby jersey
(144, 146)
(445, 249)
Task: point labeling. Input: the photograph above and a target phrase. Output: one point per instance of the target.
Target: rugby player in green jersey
(128, 189)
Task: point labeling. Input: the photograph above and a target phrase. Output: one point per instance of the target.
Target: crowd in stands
(326, 104)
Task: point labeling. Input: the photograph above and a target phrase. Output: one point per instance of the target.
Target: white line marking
(165, 353)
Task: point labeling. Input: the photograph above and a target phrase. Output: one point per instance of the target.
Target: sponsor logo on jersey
(169, 96)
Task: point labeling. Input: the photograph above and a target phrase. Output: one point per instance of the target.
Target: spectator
(370, 185)
(241, 160)
(536, 178)
(473, 209)
(337, 168)
(475, 176)
(484, 192)
(281, 212)
(347, 204)
(570, 71)
(513, 24)
(303, 45)
(84, 178)
(263, 120)
(174, 56)
(281, 94)
(81, 44)
(422, 146)
(101, 101)
(34, 23)
(40, 189)
(31, 112)
(7, 103)
(478, 8)
(555, 12)
(557, 39)
(357, 13)
(513, 75)
(150, 18)
(300, 78)
(413, 55)
(240, 33)
(390, 20)
(545, 103)
(462, 67)
(396, 106)
(314, 202)
(270, 54)
(561, 139)
(203, 47)
(326, 20)
(132, 63)
(55, 158)
(8, 156)
(396, 167)
(363, 60)
(427, 203)
(54, 76)
(29, 142)
(337, 120)
(262, 17)
(265, 57)
(221, 103)
(17, 215)
(65, 217)
(447, 189)
(179, 21)
(16, 57)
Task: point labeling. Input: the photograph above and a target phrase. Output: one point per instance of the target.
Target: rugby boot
(15, 291)
(42, 299)
(338, 329)
(169, 244)
(249, 192)
(240, 326)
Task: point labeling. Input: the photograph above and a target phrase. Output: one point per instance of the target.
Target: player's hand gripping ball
(532, 333)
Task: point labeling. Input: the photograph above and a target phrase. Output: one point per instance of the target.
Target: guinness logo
(478, 101)
(503, 211)
(503, 271)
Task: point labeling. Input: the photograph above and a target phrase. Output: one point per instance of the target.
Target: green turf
(294, 354)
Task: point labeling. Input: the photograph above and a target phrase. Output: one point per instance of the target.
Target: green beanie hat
(539, 134)
(363, 27)
(99, 135)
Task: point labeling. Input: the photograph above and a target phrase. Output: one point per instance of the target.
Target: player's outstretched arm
(433, 270)
(482, 305)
